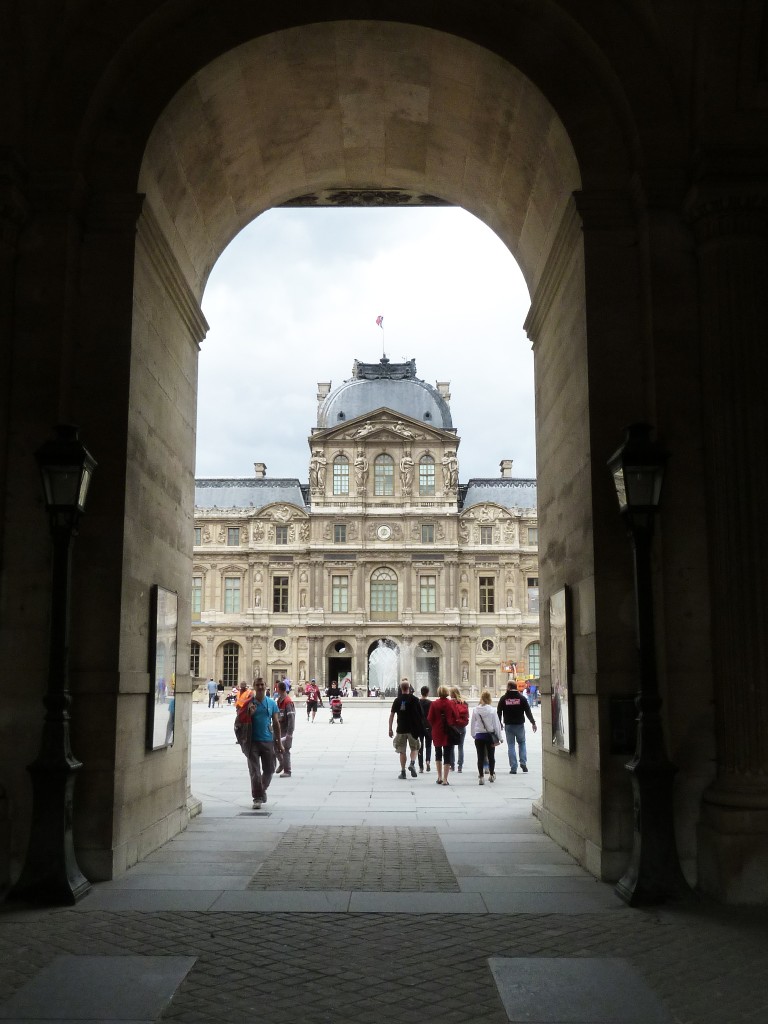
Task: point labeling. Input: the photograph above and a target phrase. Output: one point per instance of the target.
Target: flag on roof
(380, 322)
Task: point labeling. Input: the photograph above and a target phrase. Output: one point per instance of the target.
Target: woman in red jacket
(441, 714)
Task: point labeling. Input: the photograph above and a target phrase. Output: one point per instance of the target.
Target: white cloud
(293, 300)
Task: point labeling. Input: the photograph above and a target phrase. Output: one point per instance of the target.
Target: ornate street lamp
(51, 873)
(654, 874)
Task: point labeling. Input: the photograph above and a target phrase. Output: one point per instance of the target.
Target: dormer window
(427, 415)
(341, 416)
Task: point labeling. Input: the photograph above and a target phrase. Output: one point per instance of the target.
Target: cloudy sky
(294, 299)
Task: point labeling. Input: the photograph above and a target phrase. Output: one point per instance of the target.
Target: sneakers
(492, 778)
(402, 774)
(429, 767)
(460, 769)
(264, 798)
(481, 781)
(421, 770)
(524, 767)
(412, 769)
(284, 775)
(513, 771)
(257, 805)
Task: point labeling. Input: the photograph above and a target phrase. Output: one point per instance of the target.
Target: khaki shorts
(406, 739)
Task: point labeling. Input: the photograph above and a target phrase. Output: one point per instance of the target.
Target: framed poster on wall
(560, 640)
(161, 700)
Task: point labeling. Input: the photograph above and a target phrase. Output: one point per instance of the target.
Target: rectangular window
(427, 533)
(198, 535)
(339, 533)
(488, 679)
(487, 594)
(194, 659)
(340, 593)
(233, 536)
(340, 475)
(280, 594)
(281, 535)
(486, 535)
(197, 597)
(426, 476)
(428, 593)
(533, 594)
(533, 535)
(383, 475)
(231, 594)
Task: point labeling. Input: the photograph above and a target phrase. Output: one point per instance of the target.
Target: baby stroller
(336, 706)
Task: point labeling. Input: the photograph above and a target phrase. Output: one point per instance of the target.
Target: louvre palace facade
(382, 565)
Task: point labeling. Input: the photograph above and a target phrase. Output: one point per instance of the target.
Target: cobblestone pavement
(230, 892)
(395, 859)
(706, 965)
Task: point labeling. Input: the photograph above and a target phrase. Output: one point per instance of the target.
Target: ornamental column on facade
(731, 230)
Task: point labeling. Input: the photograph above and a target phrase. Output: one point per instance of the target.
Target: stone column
(731, 226)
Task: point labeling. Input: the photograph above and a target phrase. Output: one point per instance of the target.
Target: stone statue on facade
(406, 472)
(317, 466)
(450, 472)
(361, 471)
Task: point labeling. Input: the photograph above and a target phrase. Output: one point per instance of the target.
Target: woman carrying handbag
(486, 732)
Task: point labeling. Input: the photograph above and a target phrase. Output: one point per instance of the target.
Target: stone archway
(230, 127)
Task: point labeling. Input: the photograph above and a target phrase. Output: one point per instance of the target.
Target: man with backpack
(513, 709)
(410, 726)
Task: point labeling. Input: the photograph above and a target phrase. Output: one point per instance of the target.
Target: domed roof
(385, 385)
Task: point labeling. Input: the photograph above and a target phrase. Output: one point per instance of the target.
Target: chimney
(506, 469)
(259, 470)
(444, 390)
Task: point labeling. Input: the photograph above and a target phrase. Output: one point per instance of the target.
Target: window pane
(340, 593)
(232, 594)
(428, 593)
(487, 603)
(427, 533)
(281, 535)
(280, 594)
(198, 535)
(533, 535)
(233, 536)
(533, 654)
(426, 475)
(533, 594)
(339, 533)
(384, 475)
(486, 535)
(194, 659)
(230, 667)
(384, 592)
(341, 475)
(197, 594)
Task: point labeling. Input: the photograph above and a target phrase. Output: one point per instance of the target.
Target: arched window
(341, 475)
(194, 659)
(426, 475)
(384, 475)
(384, 594)
(230, 668)
(532, 656)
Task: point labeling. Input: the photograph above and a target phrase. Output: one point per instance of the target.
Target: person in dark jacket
(513, 709)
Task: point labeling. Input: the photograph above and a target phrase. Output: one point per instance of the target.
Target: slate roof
(385, 385)
(510, 493)
(247, 493)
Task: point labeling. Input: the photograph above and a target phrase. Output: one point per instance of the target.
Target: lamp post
(51, 874)
(654, 874)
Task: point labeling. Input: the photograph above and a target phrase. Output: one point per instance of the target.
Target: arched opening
(383, 667)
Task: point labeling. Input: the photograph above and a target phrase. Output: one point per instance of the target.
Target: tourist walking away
(462, 721)
(441, 720)
(313, 696)
(410, 726)
(243, 717)
(485, 730)
(212, 693)
(513, 709)
(287, 716)
(426, 739)
(220, 693)
(264, 742)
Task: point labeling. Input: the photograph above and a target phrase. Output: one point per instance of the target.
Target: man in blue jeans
(513, 709)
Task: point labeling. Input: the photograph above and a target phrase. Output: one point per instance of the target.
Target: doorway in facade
(383, 667)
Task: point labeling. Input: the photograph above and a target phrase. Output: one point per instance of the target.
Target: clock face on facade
(384, 532)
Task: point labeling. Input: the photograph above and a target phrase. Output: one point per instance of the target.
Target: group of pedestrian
(264, 729)
(440, 725)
